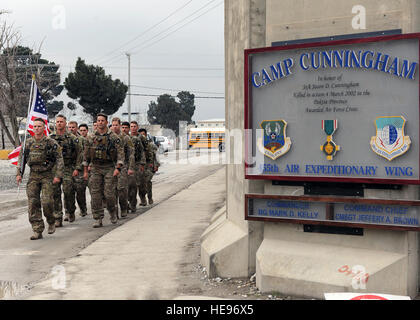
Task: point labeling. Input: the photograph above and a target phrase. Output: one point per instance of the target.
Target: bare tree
(17, 65)
(9, 38)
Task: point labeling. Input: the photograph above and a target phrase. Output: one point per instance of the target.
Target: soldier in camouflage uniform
(44, 157)
(140, 162)
(105, 154)
(73, 156)
(125, 127)
(94, 127)
(79, 183)
(84, 132)
(90, 134)
(152, 166)
(127, 169)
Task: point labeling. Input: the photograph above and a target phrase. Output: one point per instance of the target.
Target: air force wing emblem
(390, 141)
(274, 143)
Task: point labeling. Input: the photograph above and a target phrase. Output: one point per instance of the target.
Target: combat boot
(114, 218)
(51, 228)
(66, 217)
(72, 217)
(150, 197)
(36, 236)
(98, 223)
(143, 201)
(123, 214)
(83, 214)
(58, 223)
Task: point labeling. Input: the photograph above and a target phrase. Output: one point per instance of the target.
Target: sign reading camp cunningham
(344, 111)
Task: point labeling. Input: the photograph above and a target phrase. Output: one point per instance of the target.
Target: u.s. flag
(38, 110)
(14, 156)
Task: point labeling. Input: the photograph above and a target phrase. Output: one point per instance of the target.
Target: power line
(183, 54)
(150, 39)
(176, 90)
(149, 45)
(156, 68)
(146, 31)
(158, 95)
(170, 27)
(167, 68)
(119, 58)
(169, 76)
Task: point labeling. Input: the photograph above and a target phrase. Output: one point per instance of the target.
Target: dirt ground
(194, 281)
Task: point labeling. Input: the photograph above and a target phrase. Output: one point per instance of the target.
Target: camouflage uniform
(147, 176)
(90, 135)
(103, 152)
(72, 155)
(45, 159)
(155, 163)
(134, 181)
(81, 185)
(129, 163)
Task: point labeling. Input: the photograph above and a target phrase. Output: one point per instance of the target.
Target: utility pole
(129, 86)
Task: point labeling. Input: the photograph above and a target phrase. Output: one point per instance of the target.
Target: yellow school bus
(208, 138)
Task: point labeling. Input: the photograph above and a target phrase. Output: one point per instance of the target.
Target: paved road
(150, 257)
(23, 262)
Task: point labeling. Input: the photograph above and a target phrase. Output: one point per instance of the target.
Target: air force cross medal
(330, 148)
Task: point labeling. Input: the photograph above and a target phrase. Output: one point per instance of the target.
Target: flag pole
(26, 129)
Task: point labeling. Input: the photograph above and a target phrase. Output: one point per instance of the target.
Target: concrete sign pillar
(286, 257)
(230, 243)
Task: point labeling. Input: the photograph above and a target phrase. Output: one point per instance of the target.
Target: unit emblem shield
(275, 143)
(390, 141)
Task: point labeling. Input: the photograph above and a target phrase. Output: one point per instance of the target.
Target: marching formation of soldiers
(114, 162)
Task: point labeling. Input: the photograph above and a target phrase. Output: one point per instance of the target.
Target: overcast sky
(174, 44)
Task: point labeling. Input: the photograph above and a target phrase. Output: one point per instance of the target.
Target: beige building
(154, 130)
(284, 258)
(211, 123)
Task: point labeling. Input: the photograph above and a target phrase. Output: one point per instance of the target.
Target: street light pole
(129, 86)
